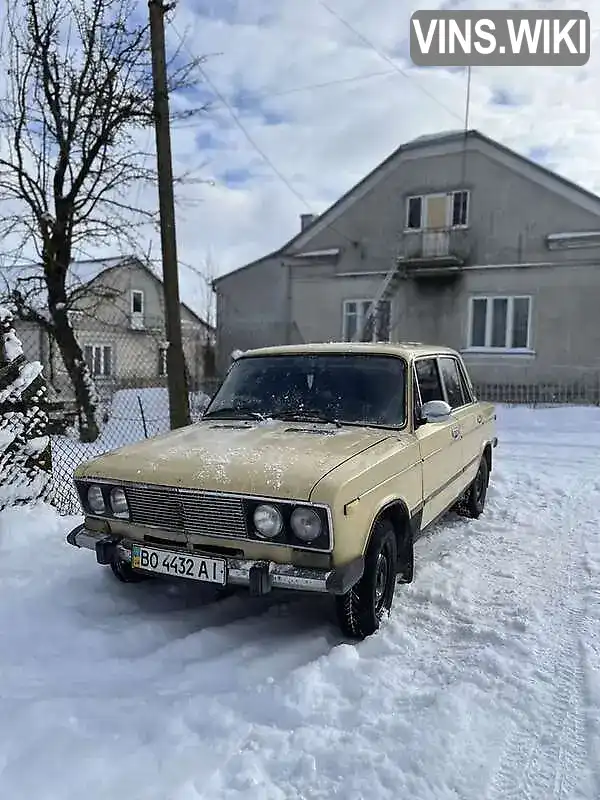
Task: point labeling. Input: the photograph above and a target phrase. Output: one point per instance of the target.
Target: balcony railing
(435, 249)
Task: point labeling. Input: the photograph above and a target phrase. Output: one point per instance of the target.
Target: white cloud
(323, 140)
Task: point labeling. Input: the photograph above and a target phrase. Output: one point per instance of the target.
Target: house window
(162, 360)
(460, 208)
(98, 359)
(500, 323)
(137, 301)
(74, 316)
(376, 329)
(414, 212)
(438, 211)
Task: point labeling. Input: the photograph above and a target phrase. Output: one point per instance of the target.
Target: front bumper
(259, 576)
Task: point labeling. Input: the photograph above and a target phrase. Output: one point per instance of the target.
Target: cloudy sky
(306, 97)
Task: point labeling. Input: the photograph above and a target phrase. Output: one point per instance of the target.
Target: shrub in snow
(25, 462)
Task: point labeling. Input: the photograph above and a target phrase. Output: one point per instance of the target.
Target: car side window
(466, 389)
(451, 376)
(428, 379)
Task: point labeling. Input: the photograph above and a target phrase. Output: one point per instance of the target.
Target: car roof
(407, 350)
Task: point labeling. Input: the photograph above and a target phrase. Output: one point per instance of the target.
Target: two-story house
(463, 242)
(116, 308)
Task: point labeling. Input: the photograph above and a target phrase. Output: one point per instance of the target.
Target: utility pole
(179, 410)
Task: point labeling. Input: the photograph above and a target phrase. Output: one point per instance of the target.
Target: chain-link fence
(128, 368)
(133, 414)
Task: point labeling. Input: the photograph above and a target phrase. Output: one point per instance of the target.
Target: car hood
(273, 458)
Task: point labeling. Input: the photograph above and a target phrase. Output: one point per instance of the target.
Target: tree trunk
(56, 264)
(81, 380)
(56, 260)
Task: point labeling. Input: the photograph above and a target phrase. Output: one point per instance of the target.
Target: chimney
(305, 220)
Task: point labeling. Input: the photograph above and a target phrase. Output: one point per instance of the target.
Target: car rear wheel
(361, 609)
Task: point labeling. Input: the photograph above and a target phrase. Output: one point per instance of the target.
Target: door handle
(456, 434)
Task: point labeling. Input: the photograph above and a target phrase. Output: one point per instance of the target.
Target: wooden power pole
(179, 410)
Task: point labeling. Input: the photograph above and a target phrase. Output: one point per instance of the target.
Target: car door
(439, 444)
(460, 400)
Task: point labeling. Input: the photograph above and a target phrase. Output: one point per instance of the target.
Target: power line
(385, 57)
(308, 87)
(351, 79)
(251, 139)
(238, 121)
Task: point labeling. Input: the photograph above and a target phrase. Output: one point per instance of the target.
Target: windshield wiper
(306, 416)
(235, 412)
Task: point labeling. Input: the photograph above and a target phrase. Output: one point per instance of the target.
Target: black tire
(406, 558)
(123, 571)
(474, 501)
(359, 611)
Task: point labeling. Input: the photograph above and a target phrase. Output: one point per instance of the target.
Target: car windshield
(343, 388)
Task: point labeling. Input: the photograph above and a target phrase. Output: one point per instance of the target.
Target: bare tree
(206, 276)
(79, 94)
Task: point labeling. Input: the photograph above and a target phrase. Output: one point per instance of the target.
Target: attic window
(460, 207)
(137, 301)
(414, 212)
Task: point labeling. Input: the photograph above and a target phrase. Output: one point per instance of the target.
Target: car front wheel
(474, 501)
(124, 572)
(361, 609)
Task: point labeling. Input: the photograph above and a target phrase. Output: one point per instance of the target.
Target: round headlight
(118, 502)
(95, 499)
(306, 524)
(268, 521)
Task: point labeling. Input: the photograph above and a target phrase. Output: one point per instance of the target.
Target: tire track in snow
(545, 756)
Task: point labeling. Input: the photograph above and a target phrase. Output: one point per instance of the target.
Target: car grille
(186, 510)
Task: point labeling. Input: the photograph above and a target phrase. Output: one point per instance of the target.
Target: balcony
(136, 321)
(435, 252)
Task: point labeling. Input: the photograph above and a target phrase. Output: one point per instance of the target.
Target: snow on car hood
(274, 458)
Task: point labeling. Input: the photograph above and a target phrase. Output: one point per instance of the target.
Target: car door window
(466, 389)
(428, 379)
(451, 377)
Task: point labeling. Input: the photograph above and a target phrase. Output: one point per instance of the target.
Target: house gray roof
(426, 140)
(29, 279)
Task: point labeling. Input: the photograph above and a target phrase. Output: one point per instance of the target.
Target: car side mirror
(436, 411)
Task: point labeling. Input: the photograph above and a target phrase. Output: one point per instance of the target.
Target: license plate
(198, 568)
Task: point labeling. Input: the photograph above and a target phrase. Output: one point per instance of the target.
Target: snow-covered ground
(483, 685)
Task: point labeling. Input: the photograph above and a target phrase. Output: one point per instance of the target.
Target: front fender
(359, 490)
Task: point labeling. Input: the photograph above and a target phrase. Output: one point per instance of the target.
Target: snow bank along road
(483, 684)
